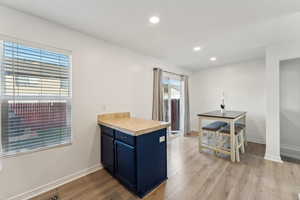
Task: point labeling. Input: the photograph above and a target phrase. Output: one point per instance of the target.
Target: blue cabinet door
(107, 152)
(125, 164)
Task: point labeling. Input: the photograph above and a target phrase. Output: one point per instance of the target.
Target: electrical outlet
(162, 139)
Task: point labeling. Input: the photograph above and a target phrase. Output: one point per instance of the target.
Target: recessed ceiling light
(154, 20)
(197, 48)
(213, 59)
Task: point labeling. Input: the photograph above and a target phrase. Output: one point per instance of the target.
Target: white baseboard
(256, 140)
(273, 158)
(291, 155)
(54, 184)
(292, 151)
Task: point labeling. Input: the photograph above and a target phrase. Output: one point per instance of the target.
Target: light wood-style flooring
(195, 176)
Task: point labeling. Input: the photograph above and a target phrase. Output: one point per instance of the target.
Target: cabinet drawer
(107, 131)
(128, 139)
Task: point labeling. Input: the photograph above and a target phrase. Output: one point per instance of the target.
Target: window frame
(69, 99)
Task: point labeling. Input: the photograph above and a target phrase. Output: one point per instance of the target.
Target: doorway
(290, 110)
(173, 102)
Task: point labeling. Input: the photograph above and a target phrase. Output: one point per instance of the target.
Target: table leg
(232, 141)
(200, 135)
(245, 134)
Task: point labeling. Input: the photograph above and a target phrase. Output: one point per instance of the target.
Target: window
(35, 98)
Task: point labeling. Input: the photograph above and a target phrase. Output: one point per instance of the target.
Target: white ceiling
(231, 30)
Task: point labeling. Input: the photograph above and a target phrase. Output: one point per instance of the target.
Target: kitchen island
(134, 151)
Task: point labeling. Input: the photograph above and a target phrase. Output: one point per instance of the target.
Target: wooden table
(228, 116)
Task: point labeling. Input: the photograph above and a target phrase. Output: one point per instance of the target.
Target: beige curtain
(157, 106)
(186, 105)
(0, 156)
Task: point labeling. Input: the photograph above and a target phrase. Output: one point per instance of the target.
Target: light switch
(162, 139)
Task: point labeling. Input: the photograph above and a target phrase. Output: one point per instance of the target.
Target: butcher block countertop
(130, 125)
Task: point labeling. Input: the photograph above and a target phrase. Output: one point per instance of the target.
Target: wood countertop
(130, 125)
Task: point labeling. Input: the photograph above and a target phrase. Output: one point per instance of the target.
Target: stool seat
(226, 129)
(215, 126)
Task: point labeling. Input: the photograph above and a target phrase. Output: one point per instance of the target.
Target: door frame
(274, 55)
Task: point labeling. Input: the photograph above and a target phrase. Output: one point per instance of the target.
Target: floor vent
(55, 197)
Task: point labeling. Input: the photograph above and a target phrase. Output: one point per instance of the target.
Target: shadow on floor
(252, 148)
(289, 159)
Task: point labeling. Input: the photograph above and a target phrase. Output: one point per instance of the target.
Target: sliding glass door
(172, 90)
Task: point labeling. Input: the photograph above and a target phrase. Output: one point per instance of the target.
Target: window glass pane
(36, 109)
(32, 124)
(34, 72)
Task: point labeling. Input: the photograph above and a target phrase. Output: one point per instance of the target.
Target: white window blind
(35, 98)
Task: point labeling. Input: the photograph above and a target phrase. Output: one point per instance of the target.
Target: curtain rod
(171, 72)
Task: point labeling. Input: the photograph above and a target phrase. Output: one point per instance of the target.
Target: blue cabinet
(151, 160)
(125, 164)
(107, 152)
(138, 162)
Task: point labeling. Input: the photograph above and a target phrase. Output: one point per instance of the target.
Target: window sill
(21, 153)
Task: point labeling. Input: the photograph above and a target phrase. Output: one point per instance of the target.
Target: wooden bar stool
(243, 127)
(212, 130)
(239, 138)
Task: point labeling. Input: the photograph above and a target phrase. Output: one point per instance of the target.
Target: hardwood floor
(195, 176)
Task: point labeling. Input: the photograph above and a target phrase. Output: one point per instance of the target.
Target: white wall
(106, 78)
(244, 88)
(290, 107)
